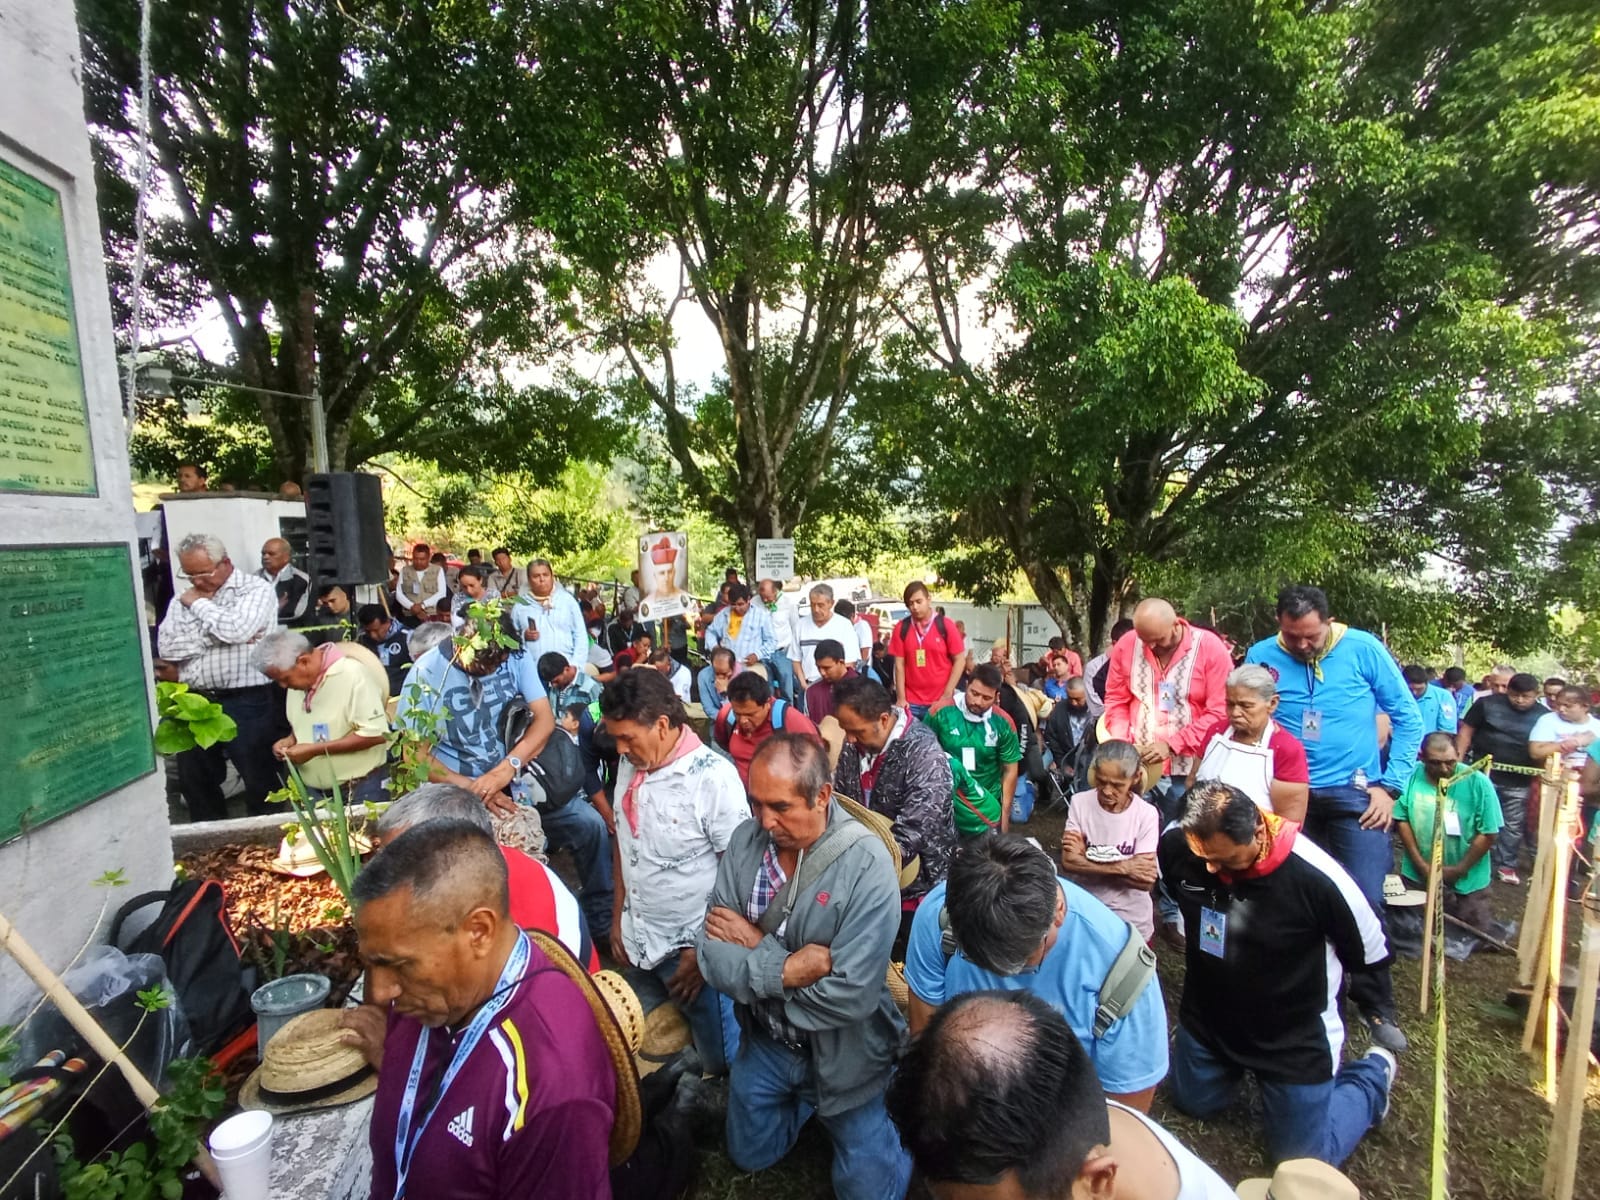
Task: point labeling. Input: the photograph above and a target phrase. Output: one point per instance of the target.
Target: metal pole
(319, 433)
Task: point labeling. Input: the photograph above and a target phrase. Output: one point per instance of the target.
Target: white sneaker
(1391, 1069)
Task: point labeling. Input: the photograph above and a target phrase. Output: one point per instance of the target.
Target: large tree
(332, 184)
(743, 179)
(1267, 283)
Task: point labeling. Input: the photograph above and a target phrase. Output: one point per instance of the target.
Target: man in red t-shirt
(539, 899)
(928, 655)
(746, 720)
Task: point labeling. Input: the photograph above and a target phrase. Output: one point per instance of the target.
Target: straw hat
(297, 857)
(1300, 1179)
(884, 828)
(1152, 771)
(832, 734)
(629, 1120)
(626, 1010)
(307, 1066)
(1397, 895)
(899, 989)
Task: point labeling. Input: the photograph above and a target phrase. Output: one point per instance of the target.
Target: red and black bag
(192, 936)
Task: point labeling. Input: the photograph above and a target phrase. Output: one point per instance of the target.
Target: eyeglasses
(208, 574)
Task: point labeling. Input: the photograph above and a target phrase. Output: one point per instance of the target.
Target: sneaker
(1507, 875)
(1387, 1035)
(1391, 1070)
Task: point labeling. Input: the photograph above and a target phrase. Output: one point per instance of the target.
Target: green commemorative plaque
(44, 414)
(77, 718)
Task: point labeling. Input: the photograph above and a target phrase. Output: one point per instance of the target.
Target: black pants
(258, 712)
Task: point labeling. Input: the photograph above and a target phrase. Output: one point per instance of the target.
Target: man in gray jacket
(804, 963)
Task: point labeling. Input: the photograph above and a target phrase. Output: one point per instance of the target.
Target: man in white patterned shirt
(208, 633)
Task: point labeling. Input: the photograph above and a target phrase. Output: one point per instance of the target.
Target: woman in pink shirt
(1108, 847)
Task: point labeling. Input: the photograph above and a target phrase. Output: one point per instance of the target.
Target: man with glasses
(206, 639)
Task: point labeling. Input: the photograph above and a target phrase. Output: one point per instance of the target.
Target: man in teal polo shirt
(1472, 821)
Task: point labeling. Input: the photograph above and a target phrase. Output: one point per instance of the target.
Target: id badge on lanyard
(405, 1138)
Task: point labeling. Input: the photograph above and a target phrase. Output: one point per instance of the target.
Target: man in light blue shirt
(744, 628)
(1436, 706)
(1009, 922)
(550, 618)
(1332, 683)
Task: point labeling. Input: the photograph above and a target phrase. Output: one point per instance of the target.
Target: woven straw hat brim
(628, 1122)
(884, 828)
(625, 1007)
(304, 1057)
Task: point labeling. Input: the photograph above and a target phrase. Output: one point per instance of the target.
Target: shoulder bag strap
(813, 864)
(1125, 982)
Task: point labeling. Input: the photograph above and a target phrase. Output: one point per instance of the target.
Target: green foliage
(1264, 286)
(189, 720)
(152, 1169)
(333, 181)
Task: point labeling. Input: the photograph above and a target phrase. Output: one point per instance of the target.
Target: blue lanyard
(405, 1142)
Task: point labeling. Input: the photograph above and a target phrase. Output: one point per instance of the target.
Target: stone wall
(45, 875)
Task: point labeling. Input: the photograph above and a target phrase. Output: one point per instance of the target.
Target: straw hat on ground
(297, 857)
(884, 828)
(629, 1119)
(1300, 1179)
(832, 734)
(306, 1066)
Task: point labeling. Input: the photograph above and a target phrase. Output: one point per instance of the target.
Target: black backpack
(192, 936)
(903, 630)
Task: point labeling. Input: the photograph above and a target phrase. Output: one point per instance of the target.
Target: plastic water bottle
(1359, 780)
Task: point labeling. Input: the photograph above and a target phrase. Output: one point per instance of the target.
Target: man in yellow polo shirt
(336, 700)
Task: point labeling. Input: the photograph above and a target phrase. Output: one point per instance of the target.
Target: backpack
(903, 630)
(1129, 974)
(192, 937)
(722, 731)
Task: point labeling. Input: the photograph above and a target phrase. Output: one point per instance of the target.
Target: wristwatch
(516, 763)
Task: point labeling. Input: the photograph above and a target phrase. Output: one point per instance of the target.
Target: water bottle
(1359, 780)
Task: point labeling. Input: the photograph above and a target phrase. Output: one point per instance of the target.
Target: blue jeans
(773, 1092)
(780, 671)
(1303, 1120)
(1333, 821)
(918, 711)
(579, 829)
(711, 1020)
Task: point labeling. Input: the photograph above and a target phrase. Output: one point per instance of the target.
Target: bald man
(292, 585)
(1166, 693)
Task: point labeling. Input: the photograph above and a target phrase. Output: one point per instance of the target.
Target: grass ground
(1498, 1119)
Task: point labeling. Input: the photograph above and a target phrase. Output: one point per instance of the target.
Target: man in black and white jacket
(1273, 925)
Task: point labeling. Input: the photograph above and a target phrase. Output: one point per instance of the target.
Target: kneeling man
(803, 915)
(495, 1080)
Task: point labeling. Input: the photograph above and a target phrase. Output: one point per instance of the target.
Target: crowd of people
(842, 827)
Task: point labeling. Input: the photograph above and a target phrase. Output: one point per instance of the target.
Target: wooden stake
(1537, 909)
(1547, 983)
(88, 1028)
(1561, 1165)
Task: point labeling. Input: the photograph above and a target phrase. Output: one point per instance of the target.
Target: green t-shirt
(969, 823)
(1475, 804)
(982, 747)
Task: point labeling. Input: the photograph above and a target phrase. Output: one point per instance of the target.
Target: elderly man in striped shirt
(208, 634)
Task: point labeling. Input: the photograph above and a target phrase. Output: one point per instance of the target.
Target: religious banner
(774, 559)
(664, 569)
(44, 415)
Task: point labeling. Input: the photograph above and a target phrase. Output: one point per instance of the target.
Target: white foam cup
(242, 1149)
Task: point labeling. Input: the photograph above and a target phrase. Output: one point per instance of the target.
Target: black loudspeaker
(345, 539)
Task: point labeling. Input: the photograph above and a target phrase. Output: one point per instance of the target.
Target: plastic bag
(107, 982)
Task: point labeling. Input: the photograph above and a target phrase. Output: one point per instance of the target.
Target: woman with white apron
(1255, 754)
